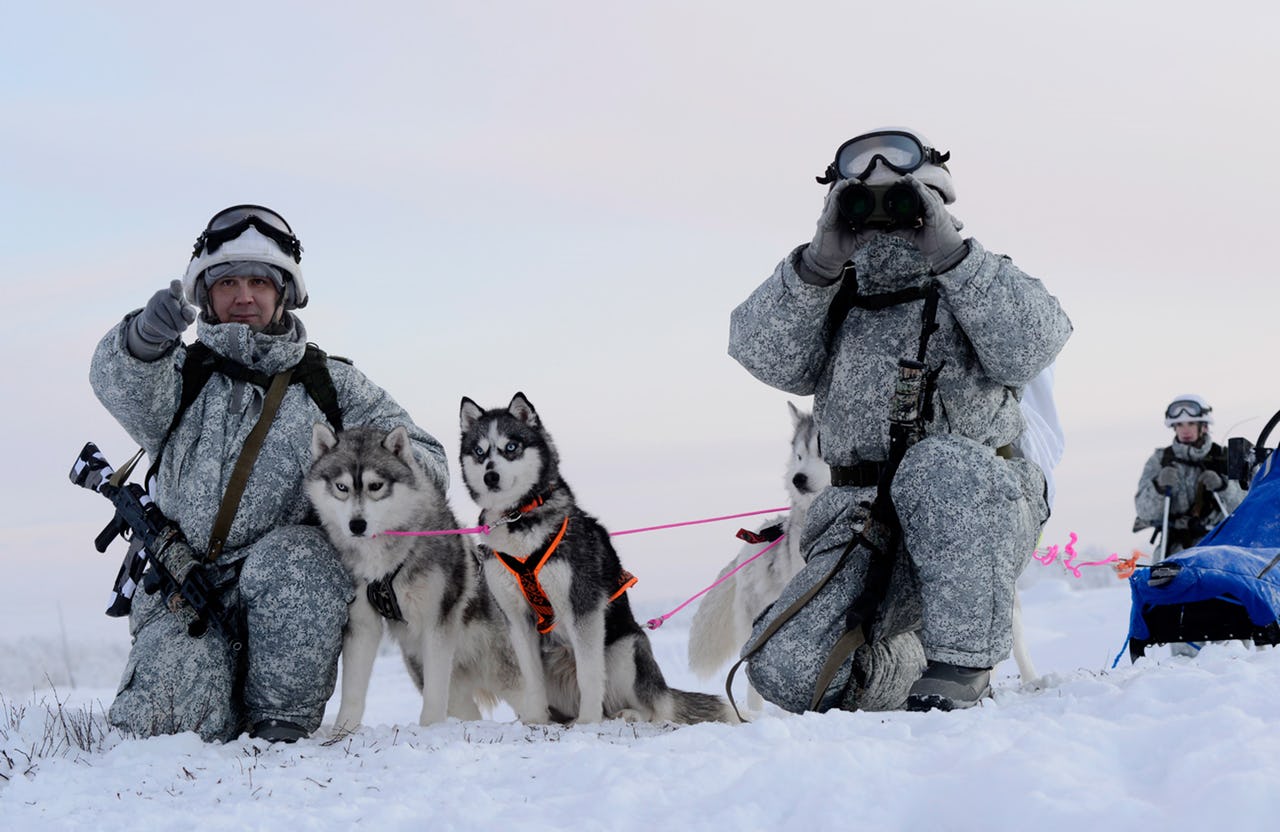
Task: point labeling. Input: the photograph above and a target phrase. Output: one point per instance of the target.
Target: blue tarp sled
(1225, 587)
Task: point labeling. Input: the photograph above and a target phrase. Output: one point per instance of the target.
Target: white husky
(723, 620)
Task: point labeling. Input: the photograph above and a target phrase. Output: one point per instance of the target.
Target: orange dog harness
(525, 570)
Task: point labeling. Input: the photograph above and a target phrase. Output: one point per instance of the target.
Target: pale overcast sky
(568, 198)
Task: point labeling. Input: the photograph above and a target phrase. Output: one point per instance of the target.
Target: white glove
(155, 330)
(938, 239)
(833, 242)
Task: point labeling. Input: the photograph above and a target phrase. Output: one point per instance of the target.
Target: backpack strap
(1214, 460)
(848, 298)
(312, 372)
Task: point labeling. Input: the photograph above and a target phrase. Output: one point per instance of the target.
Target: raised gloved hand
(1211, 480)
(154, 331)
(833, 242)
(1166, 479)
(938, 239)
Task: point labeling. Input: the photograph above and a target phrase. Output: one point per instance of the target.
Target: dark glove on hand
(1211, 480)
(938, 239)
(1166, 479)
(833, 242)
(154, 331)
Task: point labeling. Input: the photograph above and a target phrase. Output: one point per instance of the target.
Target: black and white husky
(724, 617)
(427, 591)
(553, 571)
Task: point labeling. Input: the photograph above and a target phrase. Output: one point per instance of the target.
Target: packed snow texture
(1169, 743)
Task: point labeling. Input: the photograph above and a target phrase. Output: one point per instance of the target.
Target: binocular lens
(902, 204)
(898, 206)
(856, 204)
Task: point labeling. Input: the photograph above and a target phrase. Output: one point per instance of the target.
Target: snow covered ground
(1168, 744)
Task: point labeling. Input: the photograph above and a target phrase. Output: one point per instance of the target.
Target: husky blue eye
(337, 486)
(512, 447)
(479, 452)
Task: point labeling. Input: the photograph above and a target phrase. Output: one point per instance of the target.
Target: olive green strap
(843, 649)
(125, 470)
(784, 617)
(244, 465)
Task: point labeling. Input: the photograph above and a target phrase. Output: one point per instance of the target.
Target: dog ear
(323, 440)
(522, 409)
(398, 443)
(470, 413)
(796, 415)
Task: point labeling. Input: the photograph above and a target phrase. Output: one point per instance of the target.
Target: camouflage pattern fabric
(292, 587)
(969, 517)
(1149, 503)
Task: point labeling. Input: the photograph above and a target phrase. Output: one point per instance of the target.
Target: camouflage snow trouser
(294, 593)
(969, 520)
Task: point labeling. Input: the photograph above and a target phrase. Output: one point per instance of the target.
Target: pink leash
(482, 529)
(655, 623)
(652, 623)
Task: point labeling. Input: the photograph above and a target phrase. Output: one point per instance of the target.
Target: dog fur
(363, 483)
(722, 622)
(596, 662)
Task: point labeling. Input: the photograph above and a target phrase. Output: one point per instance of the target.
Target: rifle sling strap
(786, 616)
(244, 465)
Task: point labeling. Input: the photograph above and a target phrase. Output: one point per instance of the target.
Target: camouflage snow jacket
(997, 329)
(199, 457)
(1192, 511)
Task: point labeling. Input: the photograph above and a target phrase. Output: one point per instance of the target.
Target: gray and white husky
(552, 570)
(427, 591)
(722, 622)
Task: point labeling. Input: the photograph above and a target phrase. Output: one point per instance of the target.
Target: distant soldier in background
(1190, 474)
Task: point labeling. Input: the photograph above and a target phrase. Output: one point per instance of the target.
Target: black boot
(946, 687)
(278, 730)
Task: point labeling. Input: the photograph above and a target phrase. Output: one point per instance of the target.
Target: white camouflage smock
(969, 517)
(291, 586)
(1192, 509)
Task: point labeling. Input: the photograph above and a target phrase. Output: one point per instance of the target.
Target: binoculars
(883, 207)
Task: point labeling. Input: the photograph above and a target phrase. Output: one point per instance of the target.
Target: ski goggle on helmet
(898, 150)
(248, 233)
(230, 223)
(1189, 408)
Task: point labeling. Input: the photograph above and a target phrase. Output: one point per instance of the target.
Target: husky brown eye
(375, 486)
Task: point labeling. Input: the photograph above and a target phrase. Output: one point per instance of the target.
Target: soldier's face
(244, 300)
(1188, 433)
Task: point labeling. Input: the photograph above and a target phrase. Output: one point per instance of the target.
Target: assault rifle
(174, 564)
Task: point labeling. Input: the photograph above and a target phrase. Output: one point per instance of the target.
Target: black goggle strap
(230, 216)
(211, 240)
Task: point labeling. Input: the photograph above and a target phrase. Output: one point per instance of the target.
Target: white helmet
(255, 234)
(1188, 408)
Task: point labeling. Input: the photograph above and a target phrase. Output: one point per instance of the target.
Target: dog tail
(712, 634)
(688, 708)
